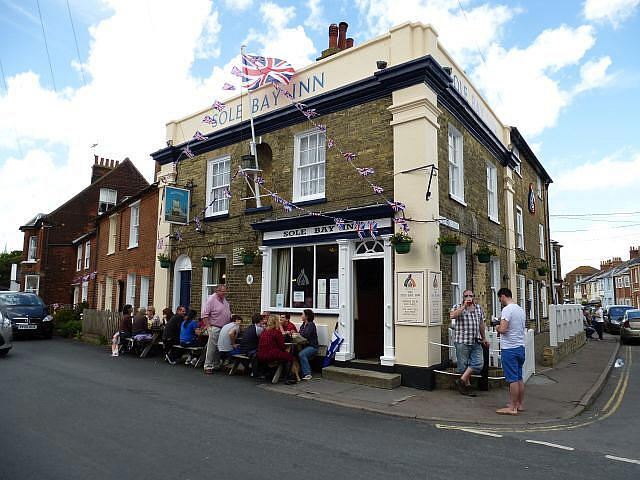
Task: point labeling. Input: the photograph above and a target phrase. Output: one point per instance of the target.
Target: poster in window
(298, 296)
(333, 285)
(434, 289)
(176, 205)
(279, 300)
(333, 300)
(322, 300)
(322, 285)
(410, 298)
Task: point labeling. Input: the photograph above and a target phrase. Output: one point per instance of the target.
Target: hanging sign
(176, 205)
(532, 200)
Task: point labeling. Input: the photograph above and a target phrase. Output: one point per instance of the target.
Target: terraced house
(409, 112)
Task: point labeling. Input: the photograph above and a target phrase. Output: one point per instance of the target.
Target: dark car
(613, 317)
(27, 313)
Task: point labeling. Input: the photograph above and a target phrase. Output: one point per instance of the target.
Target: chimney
(337, 40)
(342, 35)
(634, 252)
(333, 36)
(349, 42)
(101, 166)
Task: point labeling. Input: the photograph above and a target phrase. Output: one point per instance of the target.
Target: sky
(114, 72)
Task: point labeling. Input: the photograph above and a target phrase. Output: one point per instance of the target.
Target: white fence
(564, 322)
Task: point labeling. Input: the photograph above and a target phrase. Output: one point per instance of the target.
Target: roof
(34, 221)
(583, 270)
(82, 237)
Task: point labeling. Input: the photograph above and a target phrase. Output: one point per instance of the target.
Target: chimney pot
(117, 162)
(101, 161)
(333, 35)
(342, 35)
(95, 159)
(349, 42)
(111, 163)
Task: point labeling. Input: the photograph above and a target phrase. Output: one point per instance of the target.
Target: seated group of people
(139, 326)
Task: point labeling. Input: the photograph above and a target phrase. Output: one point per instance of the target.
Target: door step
(362, 377)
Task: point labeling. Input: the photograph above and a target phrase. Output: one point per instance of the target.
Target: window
(543, 300)
(131, 289)
(107, 200)
(554, 264)
(458, 275)
(305, 277)
(144, 292)
(213, 276)
(32, 283)
(495, 286)
(85, 291)
(76, 295)
(100, 304)
(113, 233)
(532, 303)
(108, 293)
(492, 192)
(218, 176)
(134, 225)
(519, 229)
(456, 165)
(627, 301)
(627, 281)
(521, 291)
(79, 259)
(539, 188)
(541, 240)
(33, 247)
(87, 254)
(516, 153)
(309, 163)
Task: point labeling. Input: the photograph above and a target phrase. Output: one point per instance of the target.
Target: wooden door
(369, 325)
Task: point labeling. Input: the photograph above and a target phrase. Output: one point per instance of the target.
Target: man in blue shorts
(512, 333)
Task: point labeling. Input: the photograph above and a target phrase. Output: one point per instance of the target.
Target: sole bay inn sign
(322, 229)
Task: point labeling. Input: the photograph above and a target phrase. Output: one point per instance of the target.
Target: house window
(543, 300)
(309, 163)
(554, 264)
(79, 259)
(541, 240)
(495, 286)
(218, 176)
(100, 305)
(627, 301)
(213, 276)
(539, 188)
(521, 285)
(107, 199)
(519, 229)
(305, 277)
(627, 281)
(113, 233)
(33, 246)
(458, 275)
(134, 225)
(76, 295)
(144, 292)
(532, 304)
(108, 293)
(492, 192)
(516, 153)
(87, 254)
(456, 165)
(131, 289)
(85, 291)
(32, 283)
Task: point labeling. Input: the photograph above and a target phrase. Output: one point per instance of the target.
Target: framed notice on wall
(410, 291)
(434, 294)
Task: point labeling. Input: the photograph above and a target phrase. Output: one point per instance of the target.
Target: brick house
(573, 278)
(126, 249)
(634, 273)
(435, 146)
(557, 296)
(57, 251)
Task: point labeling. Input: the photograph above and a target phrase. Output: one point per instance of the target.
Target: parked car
(6, 335)
(27, 314)
(613, 317)
(630, 325)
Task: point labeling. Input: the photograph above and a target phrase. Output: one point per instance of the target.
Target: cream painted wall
(161, 277)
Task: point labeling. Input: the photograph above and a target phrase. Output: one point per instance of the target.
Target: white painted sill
(457, 199)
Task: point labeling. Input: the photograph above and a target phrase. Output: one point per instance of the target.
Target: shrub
(71, 328)
(63, 316)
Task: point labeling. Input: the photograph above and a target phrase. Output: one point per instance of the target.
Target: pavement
(552, 394)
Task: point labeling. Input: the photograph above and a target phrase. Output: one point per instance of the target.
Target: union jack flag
(228, 86)
(199, 136)
(258, 71)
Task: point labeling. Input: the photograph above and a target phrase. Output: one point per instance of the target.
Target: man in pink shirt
(216, 313)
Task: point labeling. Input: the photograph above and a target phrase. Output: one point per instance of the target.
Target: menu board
(410, 298)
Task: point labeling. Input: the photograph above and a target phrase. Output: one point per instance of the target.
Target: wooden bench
(237, 360)
(194, 350)
(324, 339)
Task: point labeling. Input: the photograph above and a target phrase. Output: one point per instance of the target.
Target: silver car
(630, 327)
(6, 335)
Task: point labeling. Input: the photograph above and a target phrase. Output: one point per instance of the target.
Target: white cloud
(617, 171)
(276, 16)
(238, 5)
(208, 46)
(315, 21)
(613, 11)
(593, 74)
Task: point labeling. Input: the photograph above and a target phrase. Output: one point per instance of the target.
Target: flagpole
(253, 149)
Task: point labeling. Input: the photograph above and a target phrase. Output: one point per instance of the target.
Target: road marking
(554, 445)
(469, 430)
(622, 459)
(615, 392)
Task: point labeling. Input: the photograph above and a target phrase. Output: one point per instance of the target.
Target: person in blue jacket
(188, 335)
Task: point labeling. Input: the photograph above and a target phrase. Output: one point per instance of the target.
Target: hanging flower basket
(401, 242)
(484, 257)
(484, 254)
(248, 259)
(448, 244)
(543, 270)
(207, 262)
(165, 261)
(403, 247)
(522, 264)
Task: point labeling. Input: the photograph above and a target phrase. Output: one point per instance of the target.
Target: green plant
(207, 258)
(400, 237)
(63, 316)
(449, 240)
(485, 250)
(102, 340)
(249, 252)
(543, 270)
(163, 258)
(70, 328)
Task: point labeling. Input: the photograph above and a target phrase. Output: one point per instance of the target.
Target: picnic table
(155, 339)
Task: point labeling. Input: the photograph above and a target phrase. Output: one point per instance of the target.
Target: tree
(6, 259)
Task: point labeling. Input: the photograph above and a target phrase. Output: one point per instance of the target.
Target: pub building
(409, 112)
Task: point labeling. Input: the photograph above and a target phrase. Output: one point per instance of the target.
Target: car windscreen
(618, 311)
(14, 299)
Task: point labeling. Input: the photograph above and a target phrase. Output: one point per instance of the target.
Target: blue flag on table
(336, 341)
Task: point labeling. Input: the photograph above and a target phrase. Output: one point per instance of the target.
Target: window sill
(132, 246)
(312, 201)
(316, 311)
(215, 218)
(111, 253)
(266, 208)
(458, 199)
(32, 261)
(494, 220)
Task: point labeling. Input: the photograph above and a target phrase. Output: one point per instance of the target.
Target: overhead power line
(592, 214)
(75, 37)
(46, 46)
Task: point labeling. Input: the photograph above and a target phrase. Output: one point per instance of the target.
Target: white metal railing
(565, 321)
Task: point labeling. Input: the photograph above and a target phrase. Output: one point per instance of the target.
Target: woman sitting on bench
(271, 347)
(189, 337)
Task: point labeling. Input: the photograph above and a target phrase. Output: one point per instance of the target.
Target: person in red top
(285, 325)
(271, 347)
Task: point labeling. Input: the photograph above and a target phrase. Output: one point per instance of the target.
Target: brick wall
(364, 129)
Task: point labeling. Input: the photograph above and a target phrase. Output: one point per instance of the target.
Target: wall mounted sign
(410, 298)
(434, 289)
(176, 205)
(321, 230)
(532, 200)
(449, 223)
(249, 279)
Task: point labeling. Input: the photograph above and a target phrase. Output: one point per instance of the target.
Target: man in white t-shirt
(512, 332)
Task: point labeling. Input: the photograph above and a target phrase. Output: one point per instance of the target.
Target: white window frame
(541, 240)
(134, 225)
(543, 300)
(108, 293)
(539, 187)
(87, 254)
(131, 289)
(218, 194)
(496, 307)
(144, 292)
(554, 263)
(79, 258)
(205, 276)
(109, 197)
(85, 292)
(33, 248)
(456, 164)
(458, 275)
(627, 281)
(521, 284)
(297, 168)
(113, 234)
(26, 282)
(519, 228)
(516, 153)
(532, 302)
(76, 295)
(492, 192)
(100, 288)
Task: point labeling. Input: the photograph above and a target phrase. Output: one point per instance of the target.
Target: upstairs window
(309, 166)
(33, 247)
(456, 165)
(541, 239)
(134, 225)
(79, 259)
(492, 192)
(87, 254)
(539, 188)
(218, 177)
(516, 153)
(519, 229)
(113, 232)
(107, 199)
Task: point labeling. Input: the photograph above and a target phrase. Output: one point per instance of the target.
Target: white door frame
(183, 263)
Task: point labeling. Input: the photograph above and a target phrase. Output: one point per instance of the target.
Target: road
(70, 411)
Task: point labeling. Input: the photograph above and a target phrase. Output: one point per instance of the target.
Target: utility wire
(75, 37)
(46, 46)
(592, 214)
